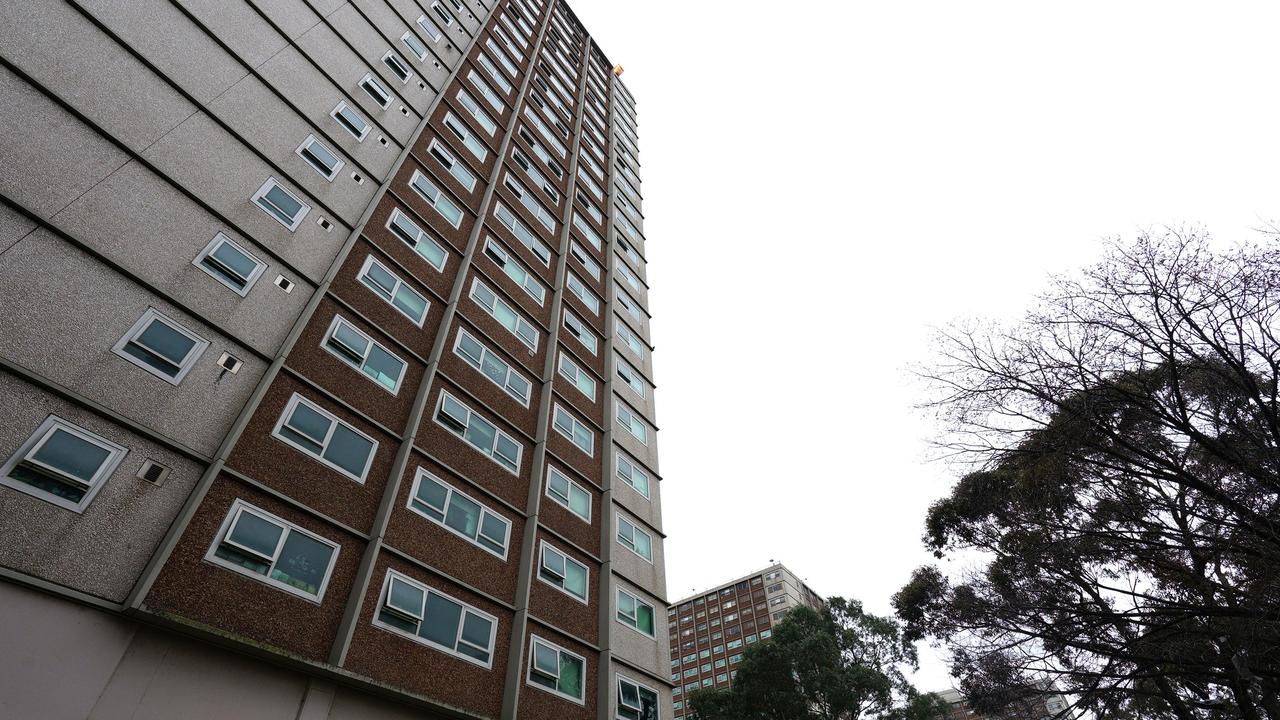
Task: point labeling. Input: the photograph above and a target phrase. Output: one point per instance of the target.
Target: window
(629, 376)
(627, 304)
(635, 612)
(502, 56)
(445, 505)
(63, 464)
(444, 14)
(256, 543)
(486, 92)
(415, 45)
(414, 237)
(720, 662)
(581, 292)
(468, 140)
(541, 214)
(738, 657)
(591, 235)
(397, 65)
(629, 473)
(380, 95)
(429, 28)
(563, 572)
(574, 429)
(591, 185)
(579, 377)
(624, 333)
(492, 367)
(627, 274)
(591, 209)
(436, 198)
(455, 168)
(580, 254)
(486, 123)
(568, 493)
(519, 38)
(635, 539)
(281, 204)
(479, 433)
(350, 120)
(557, 670)
(579, 330)
(541, 152)
(635, 701)
(515, 270)
(631, 422)
(230, 264)
(506, 316)
(506, 40)
(313, 430)
(320, 157)
(353, 347)
(545, 132)
(393, 290)
(435, 619)
(161, 346)
(526, 238)
(527, 165)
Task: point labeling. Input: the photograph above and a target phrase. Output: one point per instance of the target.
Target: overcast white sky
(825, 181)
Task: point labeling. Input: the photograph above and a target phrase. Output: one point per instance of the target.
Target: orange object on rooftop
(617, 70)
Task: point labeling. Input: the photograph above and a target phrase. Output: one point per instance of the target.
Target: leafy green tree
(840, 663)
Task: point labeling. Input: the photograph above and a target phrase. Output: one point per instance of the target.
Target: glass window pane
(570, 675)
(580, 502)
(480, 433)
(348, 450)
(303, 562)
(546, 659)
(476, 630)
(165, 342)
(383, 367)
(405, 597)
(256, 533)
(380, 280)
(494, 528)
(644, 618)
(463, 515)
(234, 260)
(442, 619)
(432, 494)
(72, 454)
(284, 201)
(413, 304)
(575, 580)
(349, 337)
(495, 369)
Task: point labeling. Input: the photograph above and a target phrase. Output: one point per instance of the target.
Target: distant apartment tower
(325, 365)
(1047, 706)
(709, 631)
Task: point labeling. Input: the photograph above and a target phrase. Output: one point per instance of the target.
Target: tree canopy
(1120, 519)
(840, 663)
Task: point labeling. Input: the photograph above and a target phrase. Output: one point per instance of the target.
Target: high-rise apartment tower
(710, 630)
(325, 365)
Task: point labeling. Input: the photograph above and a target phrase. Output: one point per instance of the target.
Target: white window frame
(631, 377)
(338, 321)
(294, 401)
(363, 276)
(617, 615)
(543, 547)
(594, 347)
(460, 130)
(484, 351)
(488, 125)
(522, 233)
(337, 112)
(575, 375)
(498, 432)
(213, 245)
(260, 197)
(530, 203)
(409, 39)
(422, 238)
(240, 506)
(620, 408)
(439, 197)
(418, 476)
(622, 520)
(632, 308)
(509, 66)
(444, 15)
(585, 296)
(369, 80)
(430, 28)
(314, 162)
(574, 425)
(398, 66)
(491, 97)
(498, 300)
(589, 232)
(584, 259)
(514, 270)
(534, 641)
(628, 337)
(37, 440)
(551, 469)
(619, 459)
(428, 590)
(188, 361)
(526, 164)
(446, 158)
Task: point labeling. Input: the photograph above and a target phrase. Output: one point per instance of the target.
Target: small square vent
(153, 472)
(284, 283)
(229, 362)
